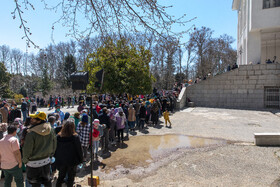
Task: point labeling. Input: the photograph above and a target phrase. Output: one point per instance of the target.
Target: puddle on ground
(140, 151)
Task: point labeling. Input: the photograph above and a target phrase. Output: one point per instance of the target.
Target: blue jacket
(61, 115)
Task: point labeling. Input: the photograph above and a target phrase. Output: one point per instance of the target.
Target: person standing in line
(69, 101)
(105, 119)
(83, 131)
(80, 107)
(14, 113)
(39, 146)
(96, 137)
(38, 101)
(5, 112)
(68, 153)
(142, 116)
(131, 117)
(28, 105)
(59, 100)
(112, 125)
(60, 113)
(137, 111)
(23, 109)
(73, 101)
(148, 112)
(154, 113)
(62, 102)
(164, 104)
(10, 158)
(120, 123)
(76, 118)
(33, 106)
(51, 102)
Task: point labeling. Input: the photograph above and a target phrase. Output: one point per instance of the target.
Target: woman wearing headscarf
(120, 120)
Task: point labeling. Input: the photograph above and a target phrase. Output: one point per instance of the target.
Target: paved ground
(239, 163)
(235, 125)
(236, 164)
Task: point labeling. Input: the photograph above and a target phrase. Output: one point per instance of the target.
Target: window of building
(271, 98)
(271, 3)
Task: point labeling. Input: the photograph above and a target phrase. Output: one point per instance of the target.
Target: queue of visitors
(41, 144)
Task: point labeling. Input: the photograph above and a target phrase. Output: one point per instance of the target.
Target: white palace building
(258, 31)
(255, 86)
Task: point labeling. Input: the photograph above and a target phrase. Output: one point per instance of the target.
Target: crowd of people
(40, 144)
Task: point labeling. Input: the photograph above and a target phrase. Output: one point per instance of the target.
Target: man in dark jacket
(14, 113)
(39, 146)
(105, 119)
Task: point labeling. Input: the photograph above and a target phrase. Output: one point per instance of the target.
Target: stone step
(267, 139)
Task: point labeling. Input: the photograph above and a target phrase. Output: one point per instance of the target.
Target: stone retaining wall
(240, 88)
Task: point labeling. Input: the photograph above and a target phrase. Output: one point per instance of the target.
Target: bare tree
(171, 48)
(50, 57)
(190, 59)
(5, 53)
(201, 39)
(104, 17)
(16, 56)
(34, 66)
(164, 60)
(224, 52)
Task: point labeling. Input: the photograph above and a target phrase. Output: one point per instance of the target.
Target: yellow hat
(40, 115)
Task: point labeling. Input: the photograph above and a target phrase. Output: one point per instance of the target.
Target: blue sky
(216, 15)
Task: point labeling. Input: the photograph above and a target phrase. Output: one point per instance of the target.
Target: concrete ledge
(267, 139)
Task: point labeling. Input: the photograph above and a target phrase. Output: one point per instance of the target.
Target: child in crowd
(95, 138)
(166, 118)
(52, 121)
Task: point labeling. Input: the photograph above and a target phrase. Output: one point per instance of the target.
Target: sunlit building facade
(258, 31)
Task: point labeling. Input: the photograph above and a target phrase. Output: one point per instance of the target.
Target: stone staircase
(242, 88)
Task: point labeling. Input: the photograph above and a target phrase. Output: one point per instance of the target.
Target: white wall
(253, 48)
(264, 18)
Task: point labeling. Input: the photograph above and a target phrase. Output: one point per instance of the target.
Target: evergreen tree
(69, 68)
(126, 68)
(4, 82)
(46, 84)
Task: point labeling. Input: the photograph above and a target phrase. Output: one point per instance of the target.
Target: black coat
(105, 119)
(68, 151)
(14, 114)
(142, 113)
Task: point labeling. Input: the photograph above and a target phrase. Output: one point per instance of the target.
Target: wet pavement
(140, 151)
